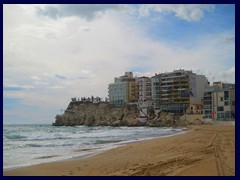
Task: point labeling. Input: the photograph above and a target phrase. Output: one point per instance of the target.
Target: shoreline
(184, 154)
(101, 150)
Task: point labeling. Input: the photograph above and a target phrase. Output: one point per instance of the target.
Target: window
(233, 103)
(226, 95)
(220, 115)
(221, 99)
(220, 108)
(228, 114)
(207, 106)
(226, 103)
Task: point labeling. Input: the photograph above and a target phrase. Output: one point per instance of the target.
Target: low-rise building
(219, 101)
(195, 109)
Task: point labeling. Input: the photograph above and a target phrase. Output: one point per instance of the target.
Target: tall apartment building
(123, 90)
(207, 102)
(156, 82)
(145, 98)
(219, 101)
(145, 93)
(179, 89)
(133, 92)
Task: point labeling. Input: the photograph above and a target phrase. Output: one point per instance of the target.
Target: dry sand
(203, 150)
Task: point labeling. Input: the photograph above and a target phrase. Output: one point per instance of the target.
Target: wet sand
(203, 150)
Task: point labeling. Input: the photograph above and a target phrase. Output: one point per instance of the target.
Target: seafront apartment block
(177, 90)
(123, 90)
(219, 101)
(156, 82)
(145, 89)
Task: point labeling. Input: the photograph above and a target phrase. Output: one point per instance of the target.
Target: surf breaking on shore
(203, 150)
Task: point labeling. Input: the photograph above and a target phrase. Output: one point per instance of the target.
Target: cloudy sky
(54, 52)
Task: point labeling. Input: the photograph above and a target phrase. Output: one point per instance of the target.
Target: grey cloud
(86, 11)
(229, 39)
(60, 77)
(50, 11)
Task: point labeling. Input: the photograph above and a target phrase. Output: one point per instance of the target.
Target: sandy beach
(203, 150)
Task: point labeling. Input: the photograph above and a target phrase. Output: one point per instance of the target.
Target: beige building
(145, 90)
(132, 94)
(223, 104)
(124, 90)
(219, 101)
(179, 89)
(195, 109)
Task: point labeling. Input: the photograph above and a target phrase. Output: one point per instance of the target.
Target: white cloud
(84, 28)
(56, 60)
(231, 71)
(188, 12)
(227, 75)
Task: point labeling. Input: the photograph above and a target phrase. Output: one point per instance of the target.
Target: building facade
(195, 109)
(219, 101)
(179, 89)
(133, 90)
(156, 82)
(207, 103)
(123, 90)
(145, 90)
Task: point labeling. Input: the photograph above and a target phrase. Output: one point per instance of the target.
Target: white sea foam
(33, 144)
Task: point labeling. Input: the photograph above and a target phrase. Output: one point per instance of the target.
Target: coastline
(96, 145)
(183, 154)
(98, 150)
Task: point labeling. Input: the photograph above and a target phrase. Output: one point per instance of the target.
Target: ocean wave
(36, 144)
(14, 136)
(33, 145)
(46, 157)
(47, 138)
(106, 141)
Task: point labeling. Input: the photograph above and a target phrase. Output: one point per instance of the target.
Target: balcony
(168, 85)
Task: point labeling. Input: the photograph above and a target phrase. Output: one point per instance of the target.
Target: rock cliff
(103, 114)
(99, 114)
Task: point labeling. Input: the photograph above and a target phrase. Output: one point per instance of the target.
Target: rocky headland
(104, 114)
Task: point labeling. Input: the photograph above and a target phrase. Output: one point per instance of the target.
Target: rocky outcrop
(164, 119)
(99, 114)
(191, 119)
(103, 114)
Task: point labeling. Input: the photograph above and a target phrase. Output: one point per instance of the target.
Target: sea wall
(103, 114)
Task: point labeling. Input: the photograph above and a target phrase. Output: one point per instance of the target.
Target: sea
(25, 145)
